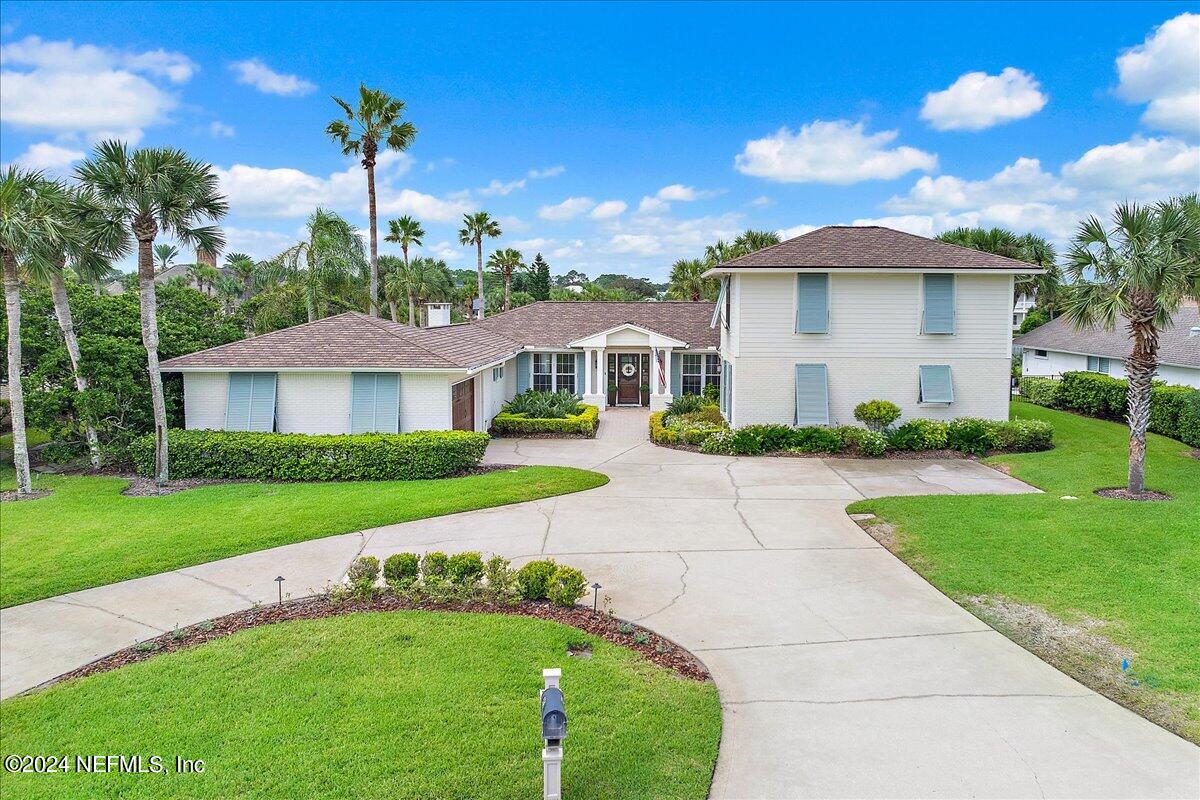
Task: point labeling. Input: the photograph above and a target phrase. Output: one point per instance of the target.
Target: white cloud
(536, 243)
(440, 163)
(220, 129)
(1139, 166)
(838, 152)
(609, 209)
(796, 230)
(48, 156)
(1021, 181)
(502, 189)
(256, 243)
(761, 202)
(567, 209)
(653, 205)
(87, 90)
(548, 172)
(1164, 71)
(977, 100)
(423, 206)
(668, 238)
(257, 74)
(447, 251)
(685, 194)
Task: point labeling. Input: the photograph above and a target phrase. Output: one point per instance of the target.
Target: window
(250, 402)
(812, 303)
(935, 384)
(1040, 354)
(543, 372)
(564, 372)
(497, 374)
(697, 371)
(938, 313)
(712, 370)
(374, 402)
(812, 394)
(1097, 364)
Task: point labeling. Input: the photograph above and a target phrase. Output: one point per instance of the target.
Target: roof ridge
(969, 249)
(266, 335)
(385, 327)
(777, 244)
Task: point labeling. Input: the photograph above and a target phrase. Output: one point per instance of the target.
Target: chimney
(437, 315)
(206, 257)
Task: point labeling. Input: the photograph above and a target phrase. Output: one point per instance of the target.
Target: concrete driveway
(841, 672)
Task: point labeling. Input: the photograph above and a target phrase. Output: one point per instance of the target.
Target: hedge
(1174, 410)
(692, 427)
(584, 423)
(300, 457)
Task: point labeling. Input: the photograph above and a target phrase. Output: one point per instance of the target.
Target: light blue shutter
(262, 402)
(727, 391)
(939, 304)
(237, 401)
(936, 385)
(812, 394)
(812, 303)
(387, 402)
(523, 371)
(362, 402)
(676, 374)
(580, 374)
(720, 307)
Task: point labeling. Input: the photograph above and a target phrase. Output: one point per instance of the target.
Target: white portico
(628, 365)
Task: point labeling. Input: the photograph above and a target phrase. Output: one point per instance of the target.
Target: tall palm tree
(229, 290)
(431, 281)
(204, 276)
(393, 278)
(720, 252)
(406, 232)
(243, 268)
(505, 262)
(686, 283)
(751, 241)
(31, 214)
(156, 189)
(1028, 248)
(1138, 271)
(325, 264)
(475, 228)
(376, 121)
(166, 255)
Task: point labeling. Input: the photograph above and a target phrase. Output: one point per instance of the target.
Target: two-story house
(801, 333)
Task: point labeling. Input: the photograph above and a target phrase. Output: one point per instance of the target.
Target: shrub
(815, 439)
(544, 405)
(718, 443)
(872, 443)
(501, 580)
(919, 434)
(301, 457)
(434, 565)
(754, 439)
(970, 435)
(709, 415)
(566, 585)
(1022, 435)
(877, 414)
(685, 404)
(851, 435)
(711, 393)
(1040, 391)
(1035, 318)
(400, 570)
(533, 579)
(362, 574)
(465, 570)
(1093, 394)
(582, 423)
(659, 432)
(1175, 412)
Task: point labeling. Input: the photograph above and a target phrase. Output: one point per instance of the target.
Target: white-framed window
(497, 373)
(564, 372)
(1097, 364)
(1040, 354)
(697, 371)
(543, 372)
(554, 372)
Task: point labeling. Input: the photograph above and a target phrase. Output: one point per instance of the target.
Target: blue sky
(622, 137)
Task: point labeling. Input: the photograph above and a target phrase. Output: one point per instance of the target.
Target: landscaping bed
(547, 415)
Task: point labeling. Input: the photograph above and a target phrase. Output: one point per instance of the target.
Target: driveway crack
(214, 585)
(737, 504)
(102, 610)
(682, 590)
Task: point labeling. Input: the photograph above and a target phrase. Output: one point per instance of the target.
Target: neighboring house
(1054, 348)
(173, 272)
(802, 333)
(1021, 308)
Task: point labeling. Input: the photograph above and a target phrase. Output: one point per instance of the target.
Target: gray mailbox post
(554, 730)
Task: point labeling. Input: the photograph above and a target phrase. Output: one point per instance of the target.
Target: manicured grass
(88, 534)
(1133, 565)
(375, 705)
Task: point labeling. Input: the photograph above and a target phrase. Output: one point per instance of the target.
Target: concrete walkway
(841, 672)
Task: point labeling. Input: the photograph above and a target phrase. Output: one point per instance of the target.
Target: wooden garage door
(462, 396)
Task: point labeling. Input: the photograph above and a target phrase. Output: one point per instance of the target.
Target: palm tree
(325, 264)
(720, 252)
(375, 121)
(243, 267)
(229, 291)
(431, 280)
(156, 189)
(393, 277)
(166, 255)
(31, 214)
(475, 227)
(506, 262)
(751, 241)
(406, 232)
(1028, 248)
(686, 283)
(204, 276)
(1139, 271)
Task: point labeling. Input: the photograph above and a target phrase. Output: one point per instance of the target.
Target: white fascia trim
(1097, 355)
(718, 271)
(600, 339)
(315, 369)
(497, 362)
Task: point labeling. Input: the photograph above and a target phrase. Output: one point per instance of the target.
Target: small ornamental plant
(533, 579)
(401, 570)
(877, 415)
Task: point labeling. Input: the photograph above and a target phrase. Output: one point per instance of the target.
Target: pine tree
(538, 282)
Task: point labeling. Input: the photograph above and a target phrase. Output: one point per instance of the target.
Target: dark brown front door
(629, 377)
(462, 398)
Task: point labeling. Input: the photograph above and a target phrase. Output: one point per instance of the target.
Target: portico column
(654, 371)
(588, 370)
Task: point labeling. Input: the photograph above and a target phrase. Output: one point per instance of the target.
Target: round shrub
(815, 439)
(1022, 435)
(877, 414)
(566, 585)
(872, 443)
(465, 569)
(969, 435)
(400, 570)
(719, 443)
(851, 435)
(533, 579)
(919, 434)
(434, 565)
(363, 573)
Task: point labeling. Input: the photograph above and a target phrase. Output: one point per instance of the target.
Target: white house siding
(204, 396)
(313, 402)
(495, 393)
(874, 346)
(424, 401)
(1055, 363)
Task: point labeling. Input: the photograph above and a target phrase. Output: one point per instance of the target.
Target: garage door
(462, 396)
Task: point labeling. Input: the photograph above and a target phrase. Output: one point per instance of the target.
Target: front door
(629, 379)
(462, 400)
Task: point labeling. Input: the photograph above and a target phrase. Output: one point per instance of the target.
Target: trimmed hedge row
(584, 423)
(693, 427)
(301, 457)
(1174, 410)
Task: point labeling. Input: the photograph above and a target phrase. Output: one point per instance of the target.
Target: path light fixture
(279, 581)
(596, 596)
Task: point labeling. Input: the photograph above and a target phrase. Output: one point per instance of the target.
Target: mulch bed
(1123, 493)
(897, 455)
(656, 648)
(496, 435)
(12, 496)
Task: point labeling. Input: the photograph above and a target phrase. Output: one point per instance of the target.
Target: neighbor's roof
(355, 341)
(847, 247)
(1176, 345)
(556, 323)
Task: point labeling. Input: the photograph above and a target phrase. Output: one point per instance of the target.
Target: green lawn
(1134, 566)
(33, 437)
(395, 705)
(88, 534)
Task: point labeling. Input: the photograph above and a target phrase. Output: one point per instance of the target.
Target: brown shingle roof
(1175, 344)
(556, 323)
(843, 246)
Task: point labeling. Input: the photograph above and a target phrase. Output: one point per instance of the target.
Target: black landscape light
(596, 596)
(279, 581)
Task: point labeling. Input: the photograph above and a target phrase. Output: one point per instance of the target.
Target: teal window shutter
(237, 401)
(938, 314)
(262, 402)
(936, 385)
(374, 402)
(580, 373)
(676, 374)
(812, 303)
(812, 394)
(387, 402)
(362, 402)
